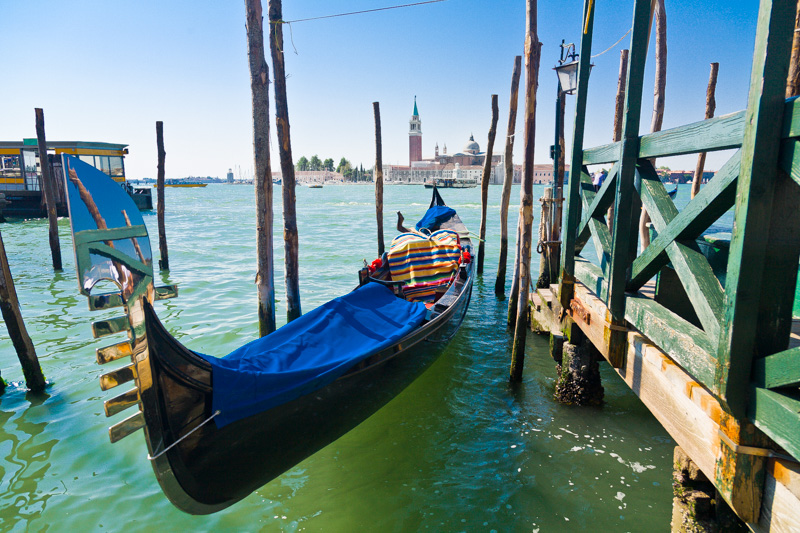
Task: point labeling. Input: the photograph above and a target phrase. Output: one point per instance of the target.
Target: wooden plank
(687, 345)
(720, 133)
(776, 414)
(778, 508)
(573, 202)
(790, 158)
(591, 275)
(607, 153)
(595, 207)
(778, 370)
(755, 188)
(693, 269)
(790, 127)
(595, 225)
(711, 202)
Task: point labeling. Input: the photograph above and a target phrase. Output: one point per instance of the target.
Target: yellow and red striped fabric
(424, 264)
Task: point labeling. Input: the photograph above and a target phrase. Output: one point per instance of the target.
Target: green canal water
(457, 451)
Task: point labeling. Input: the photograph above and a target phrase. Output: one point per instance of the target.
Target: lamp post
(567, 71)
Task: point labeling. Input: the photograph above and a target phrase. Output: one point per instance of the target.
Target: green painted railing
(734, 338)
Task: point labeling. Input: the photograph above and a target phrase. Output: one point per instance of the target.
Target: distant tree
(342, 164)
(314, 163)
(328, 165)
(302, 163)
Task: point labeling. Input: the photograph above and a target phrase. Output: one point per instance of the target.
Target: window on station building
(117, 170)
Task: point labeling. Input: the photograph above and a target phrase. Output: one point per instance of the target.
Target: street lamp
(567, 70)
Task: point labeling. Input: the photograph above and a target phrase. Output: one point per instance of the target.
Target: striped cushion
(424, 264)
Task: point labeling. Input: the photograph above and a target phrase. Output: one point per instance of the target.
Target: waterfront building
(464, 167)
(230, 176)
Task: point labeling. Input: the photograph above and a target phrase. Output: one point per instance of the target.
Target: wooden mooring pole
(49, 191)
(793, 79)
(376, 108)
(163, 261)
(9, 305)
(659, 95)
(532, 56)
(487, 174)
(619, 114)
(500, 282)
(711, 105)
(259, 87)
(290, 235)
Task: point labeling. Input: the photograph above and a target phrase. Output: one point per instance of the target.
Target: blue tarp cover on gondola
(435, 216)
(309, 352)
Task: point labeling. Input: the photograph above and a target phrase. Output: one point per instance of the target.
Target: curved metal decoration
(111, 244)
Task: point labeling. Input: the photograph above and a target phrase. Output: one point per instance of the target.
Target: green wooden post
(567, 284)
(755, 190)
(626, 214)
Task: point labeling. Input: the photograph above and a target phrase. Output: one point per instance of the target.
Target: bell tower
(414, 136)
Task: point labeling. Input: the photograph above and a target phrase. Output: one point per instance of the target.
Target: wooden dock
(705, 338)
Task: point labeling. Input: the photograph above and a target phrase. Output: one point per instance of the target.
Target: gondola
(217, 429)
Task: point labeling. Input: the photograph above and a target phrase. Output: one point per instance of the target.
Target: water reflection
(26, 460)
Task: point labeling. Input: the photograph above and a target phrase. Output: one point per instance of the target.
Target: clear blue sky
(107, 71)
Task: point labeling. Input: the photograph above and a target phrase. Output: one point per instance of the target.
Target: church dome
(471, 146)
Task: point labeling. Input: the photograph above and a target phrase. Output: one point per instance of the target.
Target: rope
(364, 11)
(613, 45)
(168, 448)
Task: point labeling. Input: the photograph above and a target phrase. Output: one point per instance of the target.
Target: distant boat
(446, 183)
(181, 183)
(314, 185)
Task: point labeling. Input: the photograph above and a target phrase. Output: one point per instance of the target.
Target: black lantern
(567, 68)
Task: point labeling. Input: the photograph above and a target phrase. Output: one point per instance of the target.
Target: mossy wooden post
(485, 176)
(290, 236)
(9, 305)
(49, 191)
(376, 108)
(513, 298)
(619, 114)
(757, 268)
(711, 105)
(659, 94)
(259, 87)
(533, 50)
(573, 199)
(505, 197)
(163, 261)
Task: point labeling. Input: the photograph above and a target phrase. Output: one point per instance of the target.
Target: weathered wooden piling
(659, 95)
(163, 261)
(49, 191)
(532, 56)
(290, 236)
(9, 305)
(578, 380)
(619, 113)
(376, 109)
(793, 79)
(505, 197)
(711, 105)
(486, 175)
(259, 87)
(513, 297)
(547, 270)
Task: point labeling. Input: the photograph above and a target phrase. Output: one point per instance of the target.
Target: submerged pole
(500, 282)
(532, 56)
(259, 87)
(290, 236)
(49, 191)
(711, 105)
(163, 262)
(487, 171)
(376, 108)
(9, 305)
